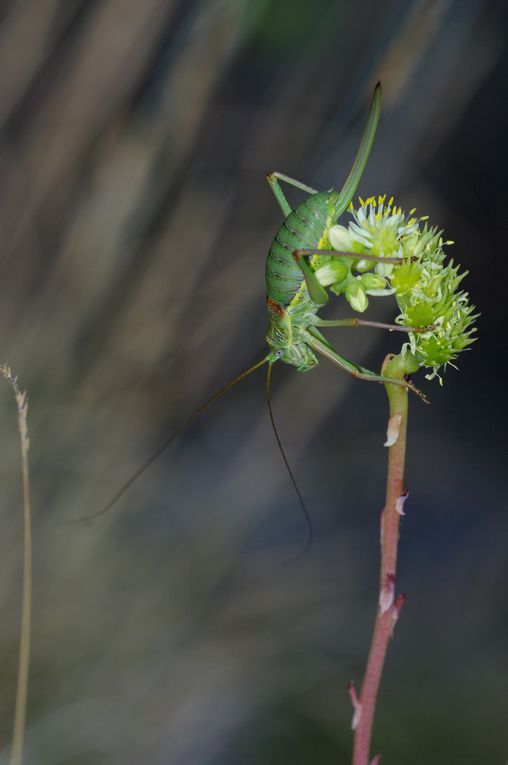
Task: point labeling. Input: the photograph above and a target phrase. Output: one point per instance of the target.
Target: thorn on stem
(399, 505)
(387, 594)
(357, 705)
(393, 429)
(376, 760)
(397, 608)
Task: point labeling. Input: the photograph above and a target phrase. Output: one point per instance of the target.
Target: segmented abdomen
(302, 229)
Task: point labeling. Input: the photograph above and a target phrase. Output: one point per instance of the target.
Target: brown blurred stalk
(26, 606)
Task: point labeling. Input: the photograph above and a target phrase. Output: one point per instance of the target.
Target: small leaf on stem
(357, 705)
(387, 594)
(397, 608)
(399, 505)
(393, 430)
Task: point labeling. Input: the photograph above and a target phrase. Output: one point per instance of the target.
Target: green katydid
(294, 293)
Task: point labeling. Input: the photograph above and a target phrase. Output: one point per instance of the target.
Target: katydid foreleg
(355, 322)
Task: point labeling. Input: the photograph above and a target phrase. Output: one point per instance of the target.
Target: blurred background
(135, 220)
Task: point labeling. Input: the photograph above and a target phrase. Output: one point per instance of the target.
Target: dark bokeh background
(135, 219)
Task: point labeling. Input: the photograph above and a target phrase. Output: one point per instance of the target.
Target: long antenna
(169, 440)
(310, 534)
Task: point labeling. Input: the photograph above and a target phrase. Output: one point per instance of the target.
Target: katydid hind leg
(317, 292)
(362, 155)
(353, 255)
(356, 322)
(274, 178)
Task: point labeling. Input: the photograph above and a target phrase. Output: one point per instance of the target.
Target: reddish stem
(388, 606)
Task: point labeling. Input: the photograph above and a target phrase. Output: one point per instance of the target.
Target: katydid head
(284, 340)
(297, 354)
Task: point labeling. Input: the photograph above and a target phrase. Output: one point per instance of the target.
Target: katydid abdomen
(304, 228)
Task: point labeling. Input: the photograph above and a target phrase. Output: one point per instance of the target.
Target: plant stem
(388, 605)
(26, 601)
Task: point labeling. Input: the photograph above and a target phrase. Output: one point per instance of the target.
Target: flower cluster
(425, 287)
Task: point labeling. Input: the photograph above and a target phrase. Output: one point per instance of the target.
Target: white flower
(340, 238)
(381, 226)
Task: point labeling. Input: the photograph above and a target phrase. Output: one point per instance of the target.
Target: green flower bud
(425, 286)
(356, 296)
(427, 294)
(405, 277)
(361, 266)
(333, 272)
(372, 283)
